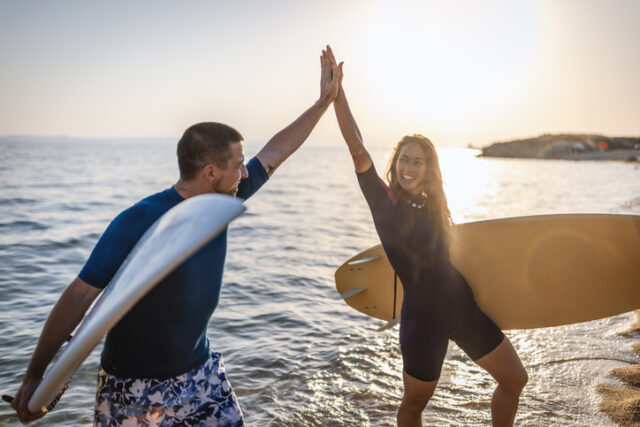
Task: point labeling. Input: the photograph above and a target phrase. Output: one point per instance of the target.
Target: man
(156, 366)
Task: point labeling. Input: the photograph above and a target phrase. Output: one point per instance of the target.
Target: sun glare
(443, 61)
(466, 179)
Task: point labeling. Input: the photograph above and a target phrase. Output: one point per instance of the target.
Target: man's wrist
(324, 101)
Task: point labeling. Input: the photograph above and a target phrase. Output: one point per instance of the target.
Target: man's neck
(189, 188)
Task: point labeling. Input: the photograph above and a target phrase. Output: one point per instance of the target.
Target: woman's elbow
(361, 160)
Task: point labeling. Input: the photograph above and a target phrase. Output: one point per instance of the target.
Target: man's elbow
(82, 293)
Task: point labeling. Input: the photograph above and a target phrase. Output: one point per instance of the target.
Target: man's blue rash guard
(164, 334)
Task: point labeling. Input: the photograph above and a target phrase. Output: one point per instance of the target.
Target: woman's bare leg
(505, 366)
(415, 398)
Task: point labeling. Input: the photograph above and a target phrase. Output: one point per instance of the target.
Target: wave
(13, 201)
(22, 225)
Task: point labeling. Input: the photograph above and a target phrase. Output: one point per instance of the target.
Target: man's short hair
(205, 143)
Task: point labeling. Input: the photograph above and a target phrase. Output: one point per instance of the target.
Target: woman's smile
(411, 168)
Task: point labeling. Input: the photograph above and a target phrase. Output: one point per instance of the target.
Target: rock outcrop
(567, 146)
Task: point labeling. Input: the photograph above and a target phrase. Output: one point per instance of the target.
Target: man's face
(227, 180)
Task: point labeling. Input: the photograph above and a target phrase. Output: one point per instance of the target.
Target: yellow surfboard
(525, 272)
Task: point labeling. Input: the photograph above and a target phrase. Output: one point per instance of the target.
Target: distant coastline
(57, 139)
(568, 147)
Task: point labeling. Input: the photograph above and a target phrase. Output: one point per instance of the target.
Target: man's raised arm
(289, 139)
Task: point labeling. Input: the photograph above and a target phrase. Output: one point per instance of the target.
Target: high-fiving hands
(331, 78)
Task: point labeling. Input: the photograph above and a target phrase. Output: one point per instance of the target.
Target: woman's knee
(417, 393)
(515, 382)
(415, 402)
(522, 379)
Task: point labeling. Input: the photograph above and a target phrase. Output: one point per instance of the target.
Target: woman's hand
(331, 77)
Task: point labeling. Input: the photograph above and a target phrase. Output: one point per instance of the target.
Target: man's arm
(64, 317)
(289, 139)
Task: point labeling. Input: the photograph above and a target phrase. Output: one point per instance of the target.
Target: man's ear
(209, 172)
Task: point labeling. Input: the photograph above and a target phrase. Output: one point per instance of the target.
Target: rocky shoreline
(621, 402)
(568, 147)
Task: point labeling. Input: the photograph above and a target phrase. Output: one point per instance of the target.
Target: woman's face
(411, 168)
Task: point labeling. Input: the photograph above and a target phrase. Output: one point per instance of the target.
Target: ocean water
(294, 354)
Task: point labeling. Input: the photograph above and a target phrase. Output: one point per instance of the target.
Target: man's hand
(331, 76)
(21, 400)
(289, 139)
(64, 317)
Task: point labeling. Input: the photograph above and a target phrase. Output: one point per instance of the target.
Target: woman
(412, 219)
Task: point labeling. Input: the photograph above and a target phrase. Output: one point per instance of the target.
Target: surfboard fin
(390, 324)
(363, 260)
(351, 292)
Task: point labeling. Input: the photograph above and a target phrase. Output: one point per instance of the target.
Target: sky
(459, 72)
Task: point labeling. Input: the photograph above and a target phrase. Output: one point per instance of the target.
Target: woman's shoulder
(370, 181)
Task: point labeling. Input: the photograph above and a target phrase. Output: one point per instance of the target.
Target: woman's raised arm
(349, 128)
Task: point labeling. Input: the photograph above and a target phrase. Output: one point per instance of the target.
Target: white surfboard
(173, 238)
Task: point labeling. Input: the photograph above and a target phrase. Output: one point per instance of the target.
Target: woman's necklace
(418, 202)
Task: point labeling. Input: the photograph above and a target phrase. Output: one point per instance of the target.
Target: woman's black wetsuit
(438, 303)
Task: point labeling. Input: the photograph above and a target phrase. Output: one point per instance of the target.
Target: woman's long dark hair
(437, 207)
